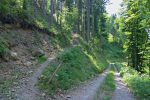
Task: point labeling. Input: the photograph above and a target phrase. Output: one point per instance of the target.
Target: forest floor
(122, 92)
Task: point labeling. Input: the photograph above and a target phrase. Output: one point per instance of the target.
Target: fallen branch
(51, 78)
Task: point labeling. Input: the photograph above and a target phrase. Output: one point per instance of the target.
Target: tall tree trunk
(92, 21)
(52, 11)
(43, 6)
(83, 21)
(79, 20)
(88, 20)
(61, 7)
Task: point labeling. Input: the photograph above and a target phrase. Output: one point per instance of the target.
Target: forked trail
(87, 91)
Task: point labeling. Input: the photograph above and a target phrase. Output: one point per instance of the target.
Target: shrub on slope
(75, 67)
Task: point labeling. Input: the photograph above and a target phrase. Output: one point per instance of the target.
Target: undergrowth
(113, 52)
(42, 59)
(139, 84)
(76, 67)
(3, 46)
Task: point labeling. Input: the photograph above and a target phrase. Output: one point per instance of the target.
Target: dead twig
(51, 78)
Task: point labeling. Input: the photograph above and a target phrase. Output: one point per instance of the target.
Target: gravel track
(122, 92)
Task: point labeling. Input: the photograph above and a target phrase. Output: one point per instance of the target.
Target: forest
(74, 50)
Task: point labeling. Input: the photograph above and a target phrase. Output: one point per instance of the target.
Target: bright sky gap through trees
(113, 7)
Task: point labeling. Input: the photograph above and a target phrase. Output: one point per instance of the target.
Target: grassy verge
(75, 68)
(106, 90)
(139, 84)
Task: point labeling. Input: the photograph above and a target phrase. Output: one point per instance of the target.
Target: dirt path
(27, 90)
(121, 92)
(86, 91)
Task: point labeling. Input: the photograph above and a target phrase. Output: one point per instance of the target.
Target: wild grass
(3, 46)
(42, 59)
(139, 84)
(113, 52)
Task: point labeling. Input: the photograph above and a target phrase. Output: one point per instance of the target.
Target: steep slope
(21, 52)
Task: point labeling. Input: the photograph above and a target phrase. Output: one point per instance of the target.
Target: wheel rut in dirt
(122, 92)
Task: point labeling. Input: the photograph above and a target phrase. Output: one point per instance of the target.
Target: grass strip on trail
(105, 91)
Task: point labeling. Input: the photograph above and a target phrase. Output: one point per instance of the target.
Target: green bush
(4, 7)
(3, 46)
(140, 84)
(42, 59)
(128, 70)
(76, 67)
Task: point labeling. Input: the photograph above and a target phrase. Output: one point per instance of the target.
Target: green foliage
(110, 38)
(109, 83)
(127, 70)
(76, 67)
(99, 61)
(113, 52)
(42, 59)
(12, 8)
(134, 24)
(3, 7)
(140, 84)
(3, 46)
(63, 40)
